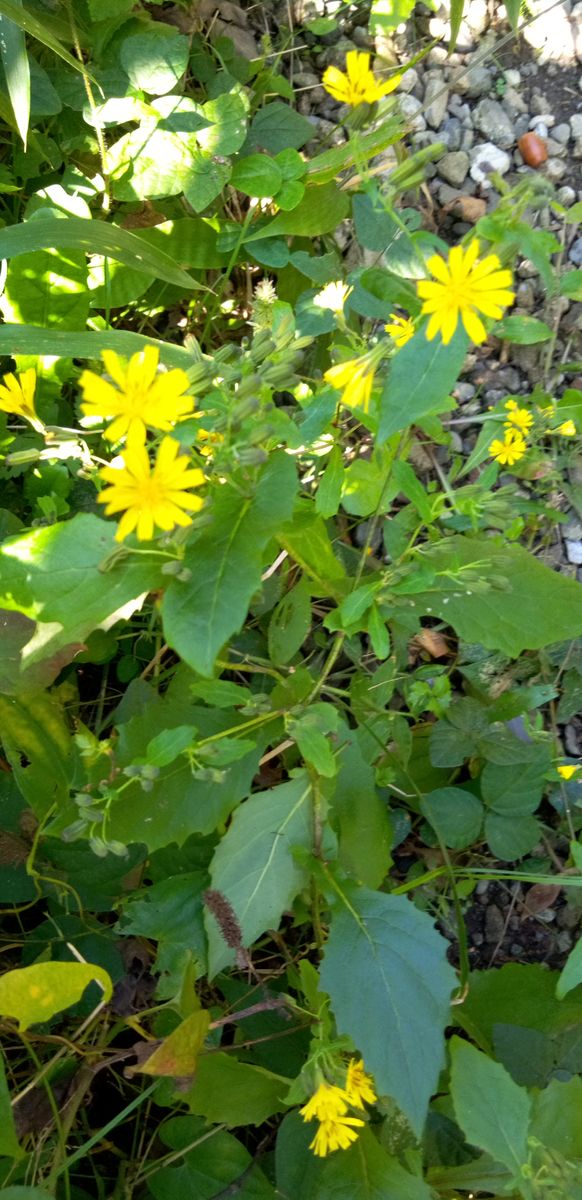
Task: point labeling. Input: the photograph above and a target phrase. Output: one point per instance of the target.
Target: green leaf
(25, 1193)
(31, 24)
(63, 578)
(522, 331)
(214, 1165)
(206, 179)
(225, 559)
(421, 377)
(557, 1117)
(393, 1001)
(571, 282)
(571, 974)
(257, 175)
(491, 1109)
(309, 730)
(381, 229)
(366, 1172)
(515, 994)
(320, 211)
(17, 70)
(49, 287)
(455, 815)
(515, 793)
(278, 127)
(307, 541)
(170, 912)
(178, 1053)
(229, 1092)
(254, 866)
(517, 603)
(155, 60)
(166, 746)
(361, 819)
(9, 1145)
(456, 17)
(511, 837)
(227, 128)
(34, 339)
(33, 728)
(330, 485)
(94, 237)
(35, 994)
(290, 623)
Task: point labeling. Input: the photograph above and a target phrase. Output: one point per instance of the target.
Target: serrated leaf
(254, 866)
(393, 1001)
(421, 377)
(492, 1110)
(225, 559)
(35, 994)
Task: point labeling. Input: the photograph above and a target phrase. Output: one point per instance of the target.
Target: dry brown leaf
(432, 642)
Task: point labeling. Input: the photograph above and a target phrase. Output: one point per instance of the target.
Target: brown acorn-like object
(533, 149)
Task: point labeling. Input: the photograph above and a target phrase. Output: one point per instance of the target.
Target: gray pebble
(409, 80)
(572, 529)
(575, 252)
(566, 196)
(548, 119)
(410, 108)
(561, 133)
(576, 125)
(494, 924)
(487, 158)
(512, 78)
(577, 151)
(574, 552)
(464, 392)
(436, 98)
(451, 133)
(539, 127)
(555, 149)
(555, 169)
(453, 167)
(493, 122)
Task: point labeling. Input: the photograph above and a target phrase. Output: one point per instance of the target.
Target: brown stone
(533, 149)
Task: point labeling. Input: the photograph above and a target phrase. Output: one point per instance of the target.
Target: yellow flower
(463, 287)
(327, 1104)
(568, 771)
(358, 83)
(17, 396)
(212, 438)
(333, 296)
(510, 450)
(150, 496)
(354, 379)
(520, 417)
(566, 429)
(359, 1085)
(401, 329)
(140, 398)
(335, 1134)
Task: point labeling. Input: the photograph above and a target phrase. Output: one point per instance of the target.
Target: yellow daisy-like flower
(333, 296)
(139, 397)
(327, 1104)
(566, 429)
(518, 417)
(17, 396)
(568, 771)
(359, 1085)
(151, 497)
(464, 287)
(337, 1134)
(510, 450)
(355, 379)
(401, 329)
(357, 83)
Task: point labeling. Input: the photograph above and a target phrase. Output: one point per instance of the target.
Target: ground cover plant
(278, 691)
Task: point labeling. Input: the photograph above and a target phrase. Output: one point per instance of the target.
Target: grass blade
(34, 339)
(17, 70)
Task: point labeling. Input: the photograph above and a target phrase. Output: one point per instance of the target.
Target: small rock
(473, 82)
(513, 103)
(526, 296)
(410, 108)
(561, 133)
(550, 34)
(572, 529)
(520, 125)
(452, 133)
(564, 941)
(485, 159)
(512, 78)
(453, 167)
(539, 127)
(576, 125)
(538, 105)
(556, 169)
(467, 139)
(493, 122)
(494, 923)
(574, 552)
(566, 196)
(548, 120)
(577, 151)
(436, 98)
(448, 195)
(464, 392)
(409, 80)
(477, 17)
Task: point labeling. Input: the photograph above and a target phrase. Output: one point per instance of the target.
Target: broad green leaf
(381, 229)
(420, 379)
(64, 578)
(393, 1001)
(170, 913)
(557, 1117)
(217, 1164)
(206, 179)
(34, 994)
(225, 559)
(571, 284)
(31, 24)
(515, 793)
(167, 745)
(34, 729)
(34, 339)
(178, 1053)
(320, 211)
(155, 60)
(522, 331)
(366, 1172)
(254, 866)
(94, 237)
(150, 163)
(515, 994)
(517, 603)
(307, 542)
(232, 1093)
(290, 623)
(278, 127)
(310, 729)
(17, 70)
(9, 1145)
(227, 129)
(527, 1054)
(47, 286)
(455, 815)
(511, 837)
(571, 974)
(330, 485)
(491, 1109)
(257, 175)
(362, 820)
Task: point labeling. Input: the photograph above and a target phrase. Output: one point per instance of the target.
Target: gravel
(454, 167)
(493, 122)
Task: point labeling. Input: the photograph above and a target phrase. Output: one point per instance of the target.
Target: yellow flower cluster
(517, 426)
(330, 1106)
(357, 84)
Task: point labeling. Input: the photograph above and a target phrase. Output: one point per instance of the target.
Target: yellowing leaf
(34, 994)
(178, 1053)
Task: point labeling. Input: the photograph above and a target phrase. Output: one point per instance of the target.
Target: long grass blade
(34, 339)
(17, 70)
